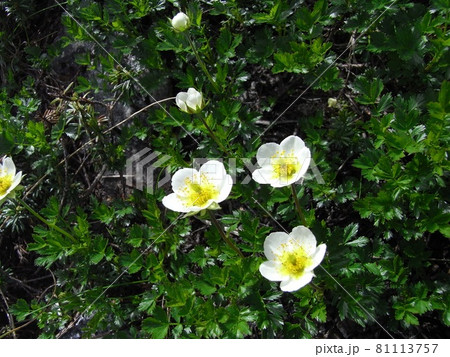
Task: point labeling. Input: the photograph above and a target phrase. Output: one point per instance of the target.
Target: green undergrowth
(364, 83)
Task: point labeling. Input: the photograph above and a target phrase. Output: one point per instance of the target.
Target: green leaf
(319, 312)
(446, 317)
(350, 231)
(369, 90)
(20, 309)
(158, 324)
(358, 242)
(373, 268)
(178, 293)
(204, 287)
(227, 43)
(367, 162)
(132, 262)
(444, 96)
(410, 319)
(303, 58)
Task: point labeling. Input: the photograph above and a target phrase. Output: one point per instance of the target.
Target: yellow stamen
(285, 166)
(5, 183)
(294, 262)
(198, 194)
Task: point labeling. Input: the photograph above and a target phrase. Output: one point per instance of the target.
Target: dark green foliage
(376, 192)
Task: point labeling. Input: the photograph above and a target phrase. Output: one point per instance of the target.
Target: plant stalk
(297, 205)
(43, 220)
(223, 234)
(213, 136)
(202, 64)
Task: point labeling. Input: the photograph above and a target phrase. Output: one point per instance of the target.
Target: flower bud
(180, 22)
(332, 102)
(190, 102)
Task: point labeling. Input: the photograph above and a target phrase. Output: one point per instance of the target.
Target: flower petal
(194, 100)
(273, 244)
(270, 271)
(15, 182)
(295, 284)
(317, 257)
(180, 99)
(304, 158)
(173, 203)
(225, 189)
(305, 238)
(263, 175)
(283, 181)
(216, 174)
(292, 144)
(9, 167)
(180, 22)
(179, 179)
(265, 153)
(214, 171)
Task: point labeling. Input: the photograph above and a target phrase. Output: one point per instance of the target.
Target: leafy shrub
(70, 114)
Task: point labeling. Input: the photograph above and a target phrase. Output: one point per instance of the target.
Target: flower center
(198, 194)
(294, 262)
(5, 183)
(285, 166)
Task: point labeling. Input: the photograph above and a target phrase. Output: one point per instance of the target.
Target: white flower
(291, 258)
(9, 180)
(332, 102)
(180, 22)
(194, 191)
(284, 164)
(190, 102)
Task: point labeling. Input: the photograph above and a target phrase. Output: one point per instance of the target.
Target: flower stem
(223, 235)
(297, 205)
(51, 225)
(316, 287)
(202, 64)
(213, 136)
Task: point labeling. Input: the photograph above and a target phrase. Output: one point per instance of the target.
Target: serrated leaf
(20, 309)
(350, 231)
(369, 90)
(132, 261)
(319, 312)
(204, 287)
(158, 324)
(358, 242)
(373, 268)
(227, 43)
(410, 319)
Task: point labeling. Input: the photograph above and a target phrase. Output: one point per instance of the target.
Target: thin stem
(43, 220)
(202, 64)
(213, 136)
(223, 235)
(297, 205)
(10, 318)
(316, 287)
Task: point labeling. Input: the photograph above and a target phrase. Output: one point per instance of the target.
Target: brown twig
(96, 180)
(10, 318)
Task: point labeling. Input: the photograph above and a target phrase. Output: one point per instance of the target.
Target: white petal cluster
(194, 191)
(282, 164)
(9, 180)
(180, 22)
(291, 258)
(191, 101)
